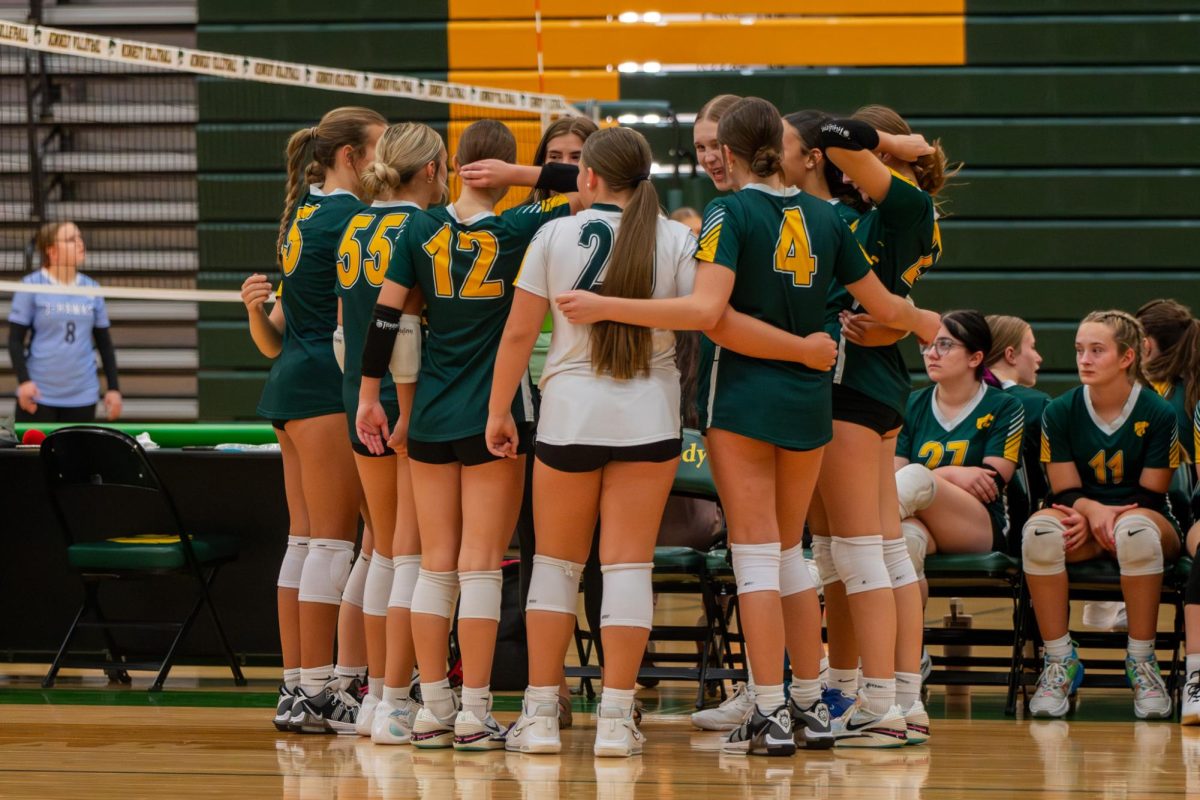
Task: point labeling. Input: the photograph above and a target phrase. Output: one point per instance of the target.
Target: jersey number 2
(481, 247)
(598, 236)
(793, 253)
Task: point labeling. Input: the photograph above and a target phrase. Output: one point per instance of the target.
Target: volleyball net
(170, 160)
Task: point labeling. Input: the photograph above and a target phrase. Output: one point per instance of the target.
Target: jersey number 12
(480, 247)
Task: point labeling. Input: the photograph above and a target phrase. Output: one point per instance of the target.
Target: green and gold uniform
(363, 256)
(786, 248)
(902, 237)
(466, 269)
(1176, 394)
(990, 426)
(305, 380)
(1034, 403)
(1110, 457)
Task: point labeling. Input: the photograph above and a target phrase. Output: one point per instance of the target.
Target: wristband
(558, 177)
(849, 134)
(381, 337)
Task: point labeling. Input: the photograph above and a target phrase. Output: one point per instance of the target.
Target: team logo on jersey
(1139, 428)
(985, 421)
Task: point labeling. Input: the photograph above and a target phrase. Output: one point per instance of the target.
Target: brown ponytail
(753, 131)
(313, 150)
(932, 171)
(621, 156)
(1177, 334)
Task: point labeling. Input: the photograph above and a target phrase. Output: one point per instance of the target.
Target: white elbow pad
(406, 353)
(339, 348)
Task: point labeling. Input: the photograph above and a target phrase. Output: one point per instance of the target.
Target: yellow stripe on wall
(820, 41)
(592, 84)
(594, 9)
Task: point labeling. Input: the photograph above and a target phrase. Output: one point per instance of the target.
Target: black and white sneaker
(763, 734)
(331, 710)
(811, 726)
(283, 709)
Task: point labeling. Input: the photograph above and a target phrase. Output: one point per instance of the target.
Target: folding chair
(120, 524)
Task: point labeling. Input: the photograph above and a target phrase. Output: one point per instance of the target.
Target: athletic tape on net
(203, 62)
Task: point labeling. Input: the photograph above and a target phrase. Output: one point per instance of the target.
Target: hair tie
(990, 378)
(312, 132)
(645, 176)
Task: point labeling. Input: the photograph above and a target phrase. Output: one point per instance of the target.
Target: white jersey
(579, 406)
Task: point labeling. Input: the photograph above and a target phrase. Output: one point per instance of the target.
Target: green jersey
(786, 248)
(1176, 394)
(465, 269)
(1034, 403)
(1110, 456)
(901, 235)
(363, 255)
(990, 426)
(305, 380)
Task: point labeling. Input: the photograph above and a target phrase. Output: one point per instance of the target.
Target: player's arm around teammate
(407, 176)
(958, 449)
(1110, 446)
(608, 437)
(303, 400)
(464, 257)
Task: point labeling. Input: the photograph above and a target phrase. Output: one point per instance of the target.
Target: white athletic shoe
(916, 721)
(1190, 713)
(393, 724)
(1151, 700)
(535, 732)
(366, 715)
(473, 733)
(617, 735)
(1059, 679)
(429, 732)
(729, 714)
(867, 729)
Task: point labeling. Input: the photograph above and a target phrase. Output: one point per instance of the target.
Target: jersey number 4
(793, 253)
(480, 247)
(293, 243)
(373, 264)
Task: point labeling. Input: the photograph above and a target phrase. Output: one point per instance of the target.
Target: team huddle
(407, 329)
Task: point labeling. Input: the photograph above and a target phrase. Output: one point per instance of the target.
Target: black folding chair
(120, 524)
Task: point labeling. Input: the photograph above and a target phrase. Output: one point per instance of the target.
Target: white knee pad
(357, 583)
(339, 347)
(553, 585)
(1042, 547)
(435, 593)
(481, 594)
(406, 352)
(917, 544)
(794, 576)
(822, 549)
(899, 566)
(859, 563)
(628, 596)
(326, 570)
(378, 586)
(404, 579)
(1139, 545)
(915, 487)
(293, 562)
(756, 567)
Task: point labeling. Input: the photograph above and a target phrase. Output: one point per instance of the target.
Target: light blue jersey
(62, 356)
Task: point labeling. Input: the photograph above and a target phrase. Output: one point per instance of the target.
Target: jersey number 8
(480, 247)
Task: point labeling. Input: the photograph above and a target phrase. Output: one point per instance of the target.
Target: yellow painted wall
(582, 9)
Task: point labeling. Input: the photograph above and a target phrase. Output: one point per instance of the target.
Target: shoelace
(1193, 686)
(739, 692)
(1053, 676)
(1147, 677)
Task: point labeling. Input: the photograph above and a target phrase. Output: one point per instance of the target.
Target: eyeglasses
(941, 346)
